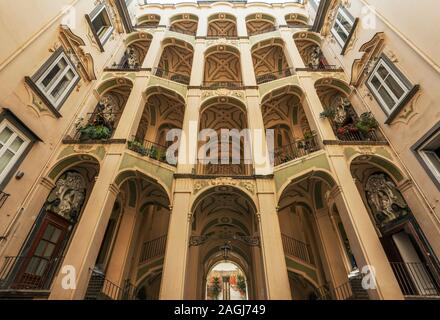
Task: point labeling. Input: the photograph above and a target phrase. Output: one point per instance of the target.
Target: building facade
(107, 192)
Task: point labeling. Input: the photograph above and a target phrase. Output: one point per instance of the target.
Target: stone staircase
(358, 292)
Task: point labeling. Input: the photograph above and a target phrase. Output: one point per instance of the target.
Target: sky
(180, 1)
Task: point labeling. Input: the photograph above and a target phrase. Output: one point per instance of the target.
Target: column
(361, 232)
(247, 64)
(154, 51)
(291, 51)
(277, 280)
(119, 263)
(241, 26)
(86, 241)
(198, 65)
(174, 268)
(329, 240)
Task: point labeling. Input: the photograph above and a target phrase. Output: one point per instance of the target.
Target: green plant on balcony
(328, 113)
(367, 123)
(137, 147)
(95, 132)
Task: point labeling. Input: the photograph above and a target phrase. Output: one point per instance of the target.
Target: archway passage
(346, 123)
(225, 149)
(224, 230)
(176, 61)
(48, 241)
(226, 281)
(412, 259)
(259, 23)
(284, 114)
(184, 23)
(130, 260)
(269, 60)
(138, 45)
(222, 68)
(309, 47)
(164, 111)
(222, 25)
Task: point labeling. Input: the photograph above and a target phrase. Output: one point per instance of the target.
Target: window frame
(90, 19)
(421, 147)
(6, 116)
(409, 89)
(350, 19)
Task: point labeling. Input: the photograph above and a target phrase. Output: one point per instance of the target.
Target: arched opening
(297, 20)
(101, 124)
(148, 21)
(226, 281)
(222, 68)
(43, 251)
(163, 111)
(309, 47)
(412, 259)
(269, 60)
(225, 146)
(347, 125)
(176, 61)
(130, 259)
(315, 243)
(259, 23)
(284, 114)
(184, 23)
(137, 49)
(224, 231)
(222, 25)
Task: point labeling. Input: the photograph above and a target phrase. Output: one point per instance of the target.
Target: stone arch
(381, 164)
(257, 23)
(184, 23)
(222, 67)
(69, 162)
(296, 19)
(137, 44)
(176, 60)
(149, 20)
(222, 25)
(309, 47)
(269, 59)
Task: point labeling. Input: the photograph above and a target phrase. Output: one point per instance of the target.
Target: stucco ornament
(108, 108)
(315, 57)
(69, 194)
(385, 199)
(342, 110)
(133, 58)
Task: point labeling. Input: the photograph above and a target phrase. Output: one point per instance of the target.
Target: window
(55, 80)
(390, 87)
(100, 23)
(427, 151)
(343, 26)
(315, 3)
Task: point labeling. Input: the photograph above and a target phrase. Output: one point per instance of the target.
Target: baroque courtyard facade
(348, 208)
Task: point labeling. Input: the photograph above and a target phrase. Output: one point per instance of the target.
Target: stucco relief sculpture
(385, 200)
(68, 196)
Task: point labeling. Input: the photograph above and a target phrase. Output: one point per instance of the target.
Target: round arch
(71, 161)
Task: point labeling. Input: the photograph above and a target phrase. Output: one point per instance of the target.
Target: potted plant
(367, 123)
(328, 113)
(216, 288)
(95, 132)
(137, 147)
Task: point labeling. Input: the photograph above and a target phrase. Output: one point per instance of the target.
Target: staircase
(358, 292)
(94, 290)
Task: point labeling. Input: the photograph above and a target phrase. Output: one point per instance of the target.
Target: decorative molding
(408, 112)
(37, 105)
(222, 92)
(245, 184)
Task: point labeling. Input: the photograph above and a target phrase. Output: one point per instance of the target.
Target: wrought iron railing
(353, 136)
(122, 67)
(297, 249)
(416, 279)
(265, 30)
(206, 168)
(271, 76)
(28, 272)
(3, 197)
(178, 30)
(321, 67)
(99, 126)
(173, 76)
(153, 249)
(350, 290)
(298, 149)
(151, 150)
(232, 85)
(100, 288)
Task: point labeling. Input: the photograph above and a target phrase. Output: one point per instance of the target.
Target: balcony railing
(190, 33)
(266, 30)
(153, 249)
(122, 67)
(173, 76)
(99, 127)
(3, 197)
(275, 75)
(28, 273)
(297, 249)
(322, 67)
(100, 288)
(416, 279)
(296, 150)
(353, 136)
(151, 150)
(204, 168)
(232, 85)
(350, 290)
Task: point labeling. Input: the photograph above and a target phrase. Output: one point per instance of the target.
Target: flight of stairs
(94, 290)
(359, 293)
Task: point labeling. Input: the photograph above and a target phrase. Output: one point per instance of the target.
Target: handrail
(150, 149)
(205, 168)
(173, 76)
(298, 149)
(297, 249)
(416, 278)
(271, 76)
(153, 249)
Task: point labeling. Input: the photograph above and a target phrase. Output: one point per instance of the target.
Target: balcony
(3, 197)
(98, 128)
(173, 76)
(231, 85)
(266, 30)
(296, 150)
(205, 168)
(100, 288)
(275, 75)
(151, 150)
(350, 290)
(321, 68)
(417, 279)
(297, 249)
(124, 67)
(153, 249)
